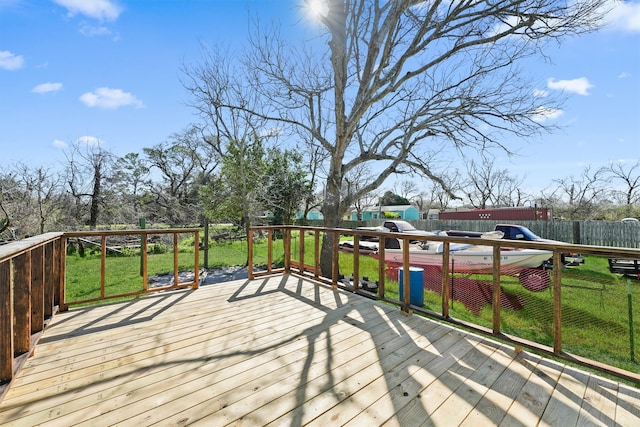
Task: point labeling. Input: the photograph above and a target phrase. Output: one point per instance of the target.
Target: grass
(595, 311)
(122, 273)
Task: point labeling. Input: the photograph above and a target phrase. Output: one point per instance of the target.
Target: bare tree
(185, 161)
(87, 173)
(406, 188)
(629, 175)
(8, 186)
(578, 197)
(395, 82)
(487, 185)
(40, 204)
(316, 156)
(352, 182)
(436, 197)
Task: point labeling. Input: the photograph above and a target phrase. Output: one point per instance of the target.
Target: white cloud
(103, 10)
(624, 16)
(57, 143)
(90, 141)
(579, 86)
(543, 114)
(10, 61)
(109, 99)
(624, 75)
(47, 87)
(92, 30)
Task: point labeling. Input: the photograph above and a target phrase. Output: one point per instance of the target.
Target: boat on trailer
(464, 256)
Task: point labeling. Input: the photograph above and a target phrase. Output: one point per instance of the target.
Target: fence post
(576, 233)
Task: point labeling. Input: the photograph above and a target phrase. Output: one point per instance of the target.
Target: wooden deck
(286, 351)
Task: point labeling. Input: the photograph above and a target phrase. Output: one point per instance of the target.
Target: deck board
(284, 350)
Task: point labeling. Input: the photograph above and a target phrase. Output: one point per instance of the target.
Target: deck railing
(34, 278)
(546, 310)
(30, 279)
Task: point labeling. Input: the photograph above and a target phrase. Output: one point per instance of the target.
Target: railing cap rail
(13, 249)
(607, 251)
(135, 231)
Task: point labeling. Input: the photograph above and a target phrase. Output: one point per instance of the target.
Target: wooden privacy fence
(300, 254)
(33, 286)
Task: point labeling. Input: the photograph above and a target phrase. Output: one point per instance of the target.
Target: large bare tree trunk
(332, 215)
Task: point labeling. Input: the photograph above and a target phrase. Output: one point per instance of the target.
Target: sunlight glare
(317, 8)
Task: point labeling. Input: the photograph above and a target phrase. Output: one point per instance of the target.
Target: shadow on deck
(287, 351)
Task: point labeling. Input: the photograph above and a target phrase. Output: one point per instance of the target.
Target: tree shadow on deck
(154, 307)
(416, 366)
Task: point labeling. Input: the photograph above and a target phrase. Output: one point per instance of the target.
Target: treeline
(175, 183)
(191, 176)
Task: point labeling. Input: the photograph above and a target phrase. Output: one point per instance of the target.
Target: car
(398, 226)
(394, 226)
(520, 232)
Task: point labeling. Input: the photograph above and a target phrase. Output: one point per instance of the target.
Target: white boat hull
(468, 257)
(474, 258)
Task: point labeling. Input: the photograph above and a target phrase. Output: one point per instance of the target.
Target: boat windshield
(529, 235)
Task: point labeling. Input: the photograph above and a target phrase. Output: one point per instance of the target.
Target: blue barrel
(416, 285)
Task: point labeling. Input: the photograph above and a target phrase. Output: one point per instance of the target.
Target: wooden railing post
(103, 265)
(22, 303)
(175, 260)
(37, 289)
(446, 286)
(196, 260)
(356, 262)
(144, 257)
(287, 250)
(49, 278)
(6, 321)
(270, 250)
(250, 255)
(62, 271)
(316, 254)
(406, 280)
(382, 270)
(557, 302)
(301, 252)
(335, 259)
(496, 290)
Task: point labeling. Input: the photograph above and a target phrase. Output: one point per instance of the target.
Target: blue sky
(109, 71)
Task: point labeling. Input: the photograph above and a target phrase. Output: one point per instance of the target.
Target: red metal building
(500, 214)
